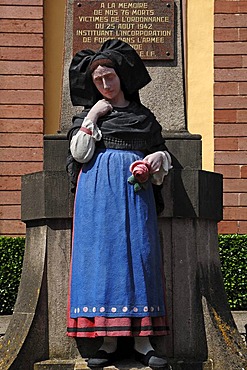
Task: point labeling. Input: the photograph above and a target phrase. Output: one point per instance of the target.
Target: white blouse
(82, 148)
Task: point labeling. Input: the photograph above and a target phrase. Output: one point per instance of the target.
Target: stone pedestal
(196, 301)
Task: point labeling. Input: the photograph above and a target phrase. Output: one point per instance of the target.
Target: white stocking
(143, 345)
(109, 345)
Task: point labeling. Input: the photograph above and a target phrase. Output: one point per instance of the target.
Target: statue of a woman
(116, 280)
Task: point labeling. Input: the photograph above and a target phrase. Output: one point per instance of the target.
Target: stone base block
(81, 364)
(55, 365)
(127, 364)
(192, 365)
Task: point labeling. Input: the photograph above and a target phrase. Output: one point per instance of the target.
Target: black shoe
(101, 359)
(152, 359)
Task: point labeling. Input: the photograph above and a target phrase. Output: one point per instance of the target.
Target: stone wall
(21, 112)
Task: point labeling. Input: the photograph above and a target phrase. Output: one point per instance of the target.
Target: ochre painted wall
(199, 69)
(54, 23)
(200, 75)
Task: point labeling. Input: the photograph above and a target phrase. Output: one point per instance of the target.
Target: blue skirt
(116, 267)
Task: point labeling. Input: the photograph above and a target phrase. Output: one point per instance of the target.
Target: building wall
(200, 75)
(21, 104)
(230, 114)
(54, 20)
(22, 96)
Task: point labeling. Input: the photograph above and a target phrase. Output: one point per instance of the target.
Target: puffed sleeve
(158, 176)
(159, 150)
(82, 144)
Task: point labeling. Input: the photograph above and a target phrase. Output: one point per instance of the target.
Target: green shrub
(233, 256)
(11, 258)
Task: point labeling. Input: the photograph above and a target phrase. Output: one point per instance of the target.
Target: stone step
(128, 364)
(81, 364)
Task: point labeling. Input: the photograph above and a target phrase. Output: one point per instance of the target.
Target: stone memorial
(203, 333)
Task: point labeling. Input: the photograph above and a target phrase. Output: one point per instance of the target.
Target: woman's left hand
(155, 160)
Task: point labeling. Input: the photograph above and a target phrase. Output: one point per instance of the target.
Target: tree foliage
(233, 256)
(11, 259)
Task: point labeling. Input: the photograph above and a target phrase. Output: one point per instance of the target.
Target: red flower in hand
(140, 170)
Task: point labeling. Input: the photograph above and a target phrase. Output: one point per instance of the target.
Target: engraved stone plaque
(148, 26)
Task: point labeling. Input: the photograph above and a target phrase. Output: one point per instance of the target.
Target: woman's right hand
(101, 108)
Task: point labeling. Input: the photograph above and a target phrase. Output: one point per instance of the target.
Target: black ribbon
(127, 64)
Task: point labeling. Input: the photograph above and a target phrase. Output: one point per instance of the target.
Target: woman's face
(108, 84)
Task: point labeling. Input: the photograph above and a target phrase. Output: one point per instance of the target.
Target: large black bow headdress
(127, 63)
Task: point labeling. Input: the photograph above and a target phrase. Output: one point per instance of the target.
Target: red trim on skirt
(116, 327)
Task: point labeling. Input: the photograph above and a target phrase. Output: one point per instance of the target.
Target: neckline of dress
(122, 108)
